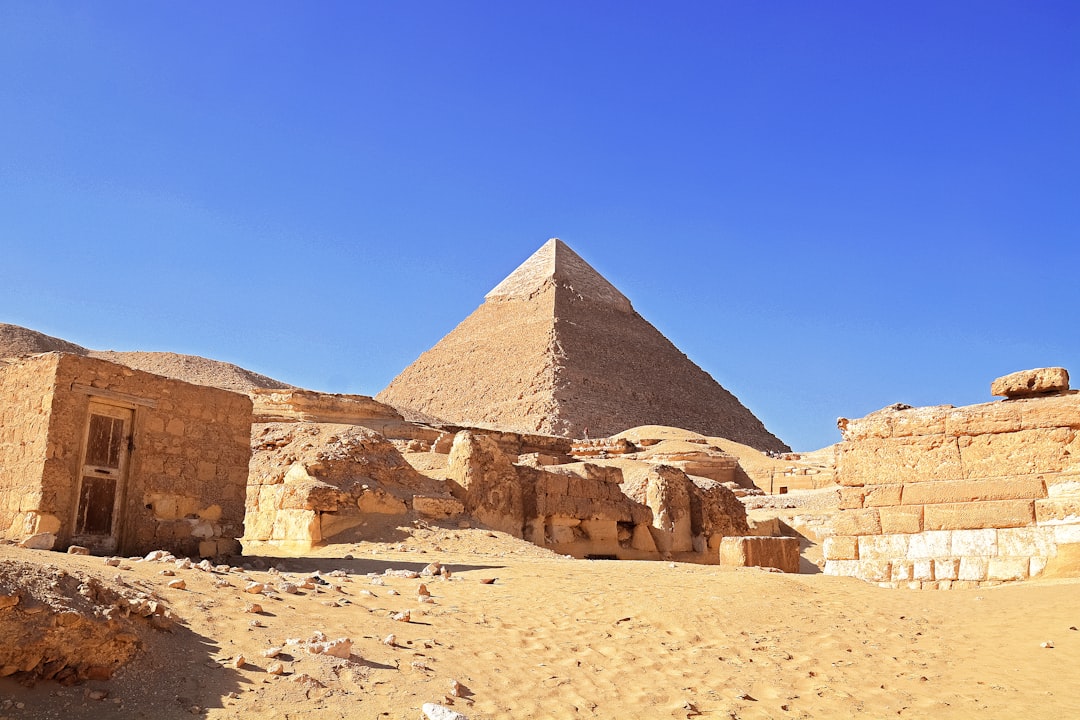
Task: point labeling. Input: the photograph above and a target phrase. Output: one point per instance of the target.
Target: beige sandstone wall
(26, 390)
(187, 471)
(956, 497)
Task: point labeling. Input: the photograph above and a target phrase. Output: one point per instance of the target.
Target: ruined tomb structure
(556, 349)
(118, 460)
(944, 497)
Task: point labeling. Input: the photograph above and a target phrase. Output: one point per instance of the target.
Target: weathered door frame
(114, 468)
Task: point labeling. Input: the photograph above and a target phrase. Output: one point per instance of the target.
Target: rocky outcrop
(311, 481)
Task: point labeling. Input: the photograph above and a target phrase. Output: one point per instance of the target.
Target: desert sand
(553, 637)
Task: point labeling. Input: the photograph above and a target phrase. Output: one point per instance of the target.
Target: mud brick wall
(26, 393)
(944, 497)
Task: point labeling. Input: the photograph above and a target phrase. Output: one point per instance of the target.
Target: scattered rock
(78, 550)
(390, 640)
(253, 608)
(177, 584)
(275, 668)
(40, 541)
(432, 711)
(488, 581)
(255, 588)
(1049, 645)
(432, 570)
(404, 616)
(238, 662)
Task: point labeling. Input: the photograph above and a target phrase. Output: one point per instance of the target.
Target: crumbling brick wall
(945, 497)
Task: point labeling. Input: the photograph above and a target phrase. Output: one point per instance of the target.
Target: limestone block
(775, 552)
(840, 547)
(895, 421)
(1025, 542)
(36, 522)
(946, 568)
(983, 419)
(842, 568)
(39, 541)
(930, 544)
(875, 570)
(601, 531)
(561, 535)
(1007, 568)
(857, 522)
(763, 527)
(437, 507)
(958, 491)
(964, 584)
(1026, 383)
(922, 570)
(852, 498)
(903, 571)
(883, 547)
(1037, 565)
(882, 495)
(898, 460)
(1057, 510)
(642, 539)
(1057, 411)
(208, 548)
(990, 514)
(981, 542)
(379, 502)
(1067, 534)
(301, 527)
(907, 519)
(1062, 485)
(944, 584)
(1027, 452)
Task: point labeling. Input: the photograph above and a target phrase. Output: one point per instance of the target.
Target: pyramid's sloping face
(556, 348)
(494, 369)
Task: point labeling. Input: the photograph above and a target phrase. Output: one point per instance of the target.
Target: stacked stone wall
(946, 497)
(187, 471)
(26, 389)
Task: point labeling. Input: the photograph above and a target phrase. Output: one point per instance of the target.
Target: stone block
(931, 544)
(1056, 511)
(922, 570)
(851, 498)
(437, 507)
(1025, 542)
(1058, 411)
(946, 568)
(989, 514)
(842, 568)
(907, 519)
(1067, 534)
(891, 422)
(964, 585)
(903, 571)
(982, 542)
(983, 419)
(1037, 565)
(1062, 485)
(958, 491)
(841, 547)
(898, 460)
(883, 547)
(1027, 452)
(1026, 383)
(875, 570)
(1007, 568)
(857, 522)
(882, 495)
(601, 531)
(775, 552)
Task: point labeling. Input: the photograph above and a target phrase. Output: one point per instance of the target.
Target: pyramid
(555, 349)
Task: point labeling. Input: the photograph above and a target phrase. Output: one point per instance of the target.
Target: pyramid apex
(555, 263)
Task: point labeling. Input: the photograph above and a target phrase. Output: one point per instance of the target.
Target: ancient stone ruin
(118, 460)
(556, 349)
(941, 497)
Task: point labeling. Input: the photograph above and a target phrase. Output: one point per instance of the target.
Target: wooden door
(101, 483)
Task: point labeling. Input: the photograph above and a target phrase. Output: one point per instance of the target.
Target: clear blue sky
(829, 206)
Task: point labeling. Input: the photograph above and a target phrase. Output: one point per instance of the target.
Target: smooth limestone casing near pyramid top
(555, 348)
